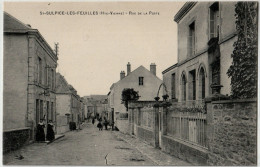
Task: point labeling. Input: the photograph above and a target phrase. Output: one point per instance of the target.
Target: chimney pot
(128, 68)
(122, 75)
(153, 68)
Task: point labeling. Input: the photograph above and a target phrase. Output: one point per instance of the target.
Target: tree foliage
(129, 94)
(243, 71)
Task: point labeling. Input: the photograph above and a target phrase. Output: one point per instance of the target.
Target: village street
(92, 147)
(85, 147)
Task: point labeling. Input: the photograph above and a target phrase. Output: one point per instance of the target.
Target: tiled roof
(11, 23)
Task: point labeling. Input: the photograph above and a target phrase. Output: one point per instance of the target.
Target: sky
(94, 49)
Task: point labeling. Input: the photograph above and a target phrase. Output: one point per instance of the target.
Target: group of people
(40, 134)
(102, 122)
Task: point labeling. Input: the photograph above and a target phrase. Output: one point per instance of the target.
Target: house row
(32, 90)
(69, 105)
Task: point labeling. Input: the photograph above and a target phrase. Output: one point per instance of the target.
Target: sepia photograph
(130, 83)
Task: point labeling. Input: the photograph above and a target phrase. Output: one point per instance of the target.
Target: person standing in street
(50, 133)
(40, 135)
(99, 125)
(93, 120)
(105, 122)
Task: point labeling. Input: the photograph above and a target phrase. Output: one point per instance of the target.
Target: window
(214, 20)
(46, 75)
(39, 70)
(49, 78)
(192, 85)
(173, 86)
(191, 42)
(141, 80)
(41, 109)
(183, 87)
(37, 111)
(202, 83)
(52, 79)
(52, 112)
(48, 111)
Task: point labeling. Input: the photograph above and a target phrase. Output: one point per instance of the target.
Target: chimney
(128, 68)
(122, 75)
(153, 68)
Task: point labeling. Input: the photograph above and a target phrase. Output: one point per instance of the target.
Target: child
(99, 125)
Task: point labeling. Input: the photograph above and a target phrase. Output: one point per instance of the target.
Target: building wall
(36, 89)
(167, 80)
(63, 104)
(227, 36)
(226, 50)
(232, 132)
(227, 39)
(194, 64)
(199, 14)
(15, 77)
(148, 91)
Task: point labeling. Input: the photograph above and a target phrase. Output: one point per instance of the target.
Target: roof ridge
(18, 20)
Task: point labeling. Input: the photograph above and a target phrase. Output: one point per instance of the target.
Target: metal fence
(187, 126)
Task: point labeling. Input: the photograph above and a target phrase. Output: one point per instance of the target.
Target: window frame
(141, 81)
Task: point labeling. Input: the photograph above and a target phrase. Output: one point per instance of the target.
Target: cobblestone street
(86, 147)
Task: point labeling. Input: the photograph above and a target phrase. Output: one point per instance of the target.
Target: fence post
(164, 120)
(133, 120)
(129, 120)
(156, 126)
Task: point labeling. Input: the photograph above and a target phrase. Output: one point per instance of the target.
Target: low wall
(185, 151)
(232, 132)
(145, 135)
(122, 125)
(15, 139)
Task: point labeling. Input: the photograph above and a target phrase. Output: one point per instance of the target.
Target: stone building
(96, 105)
(142, 80)
(206, 34)
(29, 78)
(68, 104)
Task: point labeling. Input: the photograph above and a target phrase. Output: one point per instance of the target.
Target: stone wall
(122, 125)
(232, 132)
(185, 151)
(146, 135)
(15, 139)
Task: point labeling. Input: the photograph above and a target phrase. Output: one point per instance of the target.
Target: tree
(243, 71)
(129, 94)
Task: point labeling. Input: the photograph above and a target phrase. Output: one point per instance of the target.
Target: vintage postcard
(128, 83)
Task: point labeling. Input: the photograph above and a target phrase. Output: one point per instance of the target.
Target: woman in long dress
(50, 133)
(40, 135)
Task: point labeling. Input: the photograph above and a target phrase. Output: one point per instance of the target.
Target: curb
(61, 136)
(156, 163)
